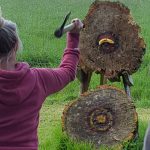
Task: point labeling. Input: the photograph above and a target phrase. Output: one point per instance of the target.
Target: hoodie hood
(14, 85)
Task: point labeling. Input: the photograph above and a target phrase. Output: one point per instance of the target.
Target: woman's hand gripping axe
(63, 29)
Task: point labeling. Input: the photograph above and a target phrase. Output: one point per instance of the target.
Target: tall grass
(37, 20)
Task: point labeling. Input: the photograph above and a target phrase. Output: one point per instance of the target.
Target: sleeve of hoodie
(53, 80)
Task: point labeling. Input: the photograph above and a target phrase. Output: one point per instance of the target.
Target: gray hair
(9, 39)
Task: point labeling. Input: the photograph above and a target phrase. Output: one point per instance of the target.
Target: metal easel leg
(128, 82)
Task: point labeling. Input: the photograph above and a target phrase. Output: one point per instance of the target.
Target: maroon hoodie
(22, 93)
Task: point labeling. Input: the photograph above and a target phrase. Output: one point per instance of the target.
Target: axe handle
(68, 27)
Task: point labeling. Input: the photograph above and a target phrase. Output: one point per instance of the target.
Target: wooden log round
(105, 116)
(110, 42)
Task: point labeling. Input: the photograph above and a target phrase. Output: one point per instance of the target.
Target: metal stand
(128, 82)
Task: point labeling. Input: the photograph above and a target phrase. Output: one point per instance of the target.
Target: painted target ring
(100, 119)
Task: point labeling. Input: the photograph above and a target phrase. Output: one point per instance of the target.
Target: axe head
(59, 32)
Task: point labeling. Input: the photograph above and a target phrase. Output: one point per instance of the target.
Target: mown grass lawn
(37, 20)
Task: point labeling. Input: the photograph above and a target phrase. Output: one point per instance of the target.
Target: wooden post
(103, 79)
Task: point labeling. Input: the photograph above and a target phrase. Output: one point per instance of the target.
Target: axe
(63, 29)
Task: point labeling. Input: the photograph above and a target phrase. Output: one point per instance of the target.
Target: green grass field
(37, 20)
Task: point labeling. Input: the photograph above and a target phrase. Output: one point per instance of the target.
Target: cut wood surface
(114, 21)
(105, 116)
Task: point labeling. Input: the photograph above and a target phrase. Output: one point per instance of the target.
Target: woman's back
(24, 89)
(22, 93)
(21, 97)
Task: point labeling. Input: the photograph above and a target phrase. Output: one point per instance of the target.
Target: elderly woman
(24, 89)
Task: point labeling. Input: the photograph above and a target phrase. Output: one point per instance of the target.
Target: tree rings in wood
(105, 116)
(110, 42)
